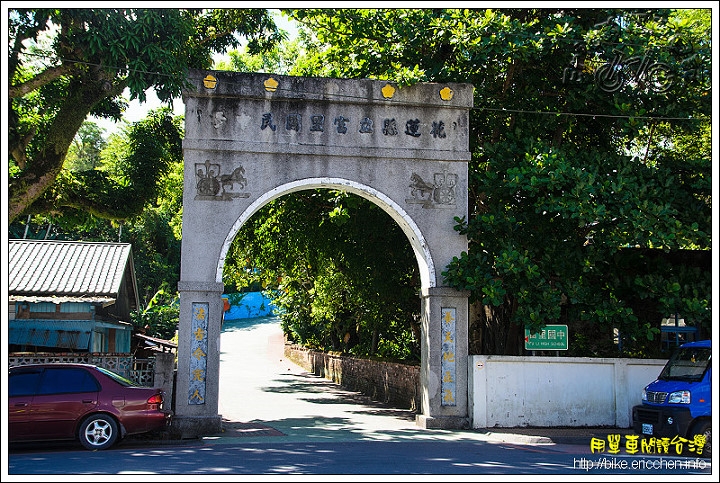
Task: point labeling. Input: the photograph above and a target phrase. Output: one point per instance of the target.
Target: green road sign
(551, 338)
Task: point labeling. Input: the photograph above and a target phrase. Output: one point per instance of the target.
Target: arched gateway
(251, 138)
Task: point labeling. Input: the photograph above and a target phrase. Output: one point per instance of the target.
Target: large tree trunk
(42, 170)
(492, 333)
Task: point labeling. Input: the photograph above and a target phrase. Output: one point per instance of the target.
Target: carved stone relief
(212, 185)
(219, 119)
(440, 192)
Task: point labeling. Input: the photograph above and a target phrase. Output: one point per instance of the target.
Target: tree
(155, 233)
(121, 190)
(580, 154)
(278, 60)
(66, 64)
(159, 317)
(344, 278)
(84, 152)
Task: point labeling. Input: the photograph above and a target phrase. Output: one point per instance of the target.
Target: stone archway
(251, 138)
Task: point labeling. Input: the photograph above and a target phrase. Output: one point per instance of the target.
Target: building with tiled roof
(70, 296)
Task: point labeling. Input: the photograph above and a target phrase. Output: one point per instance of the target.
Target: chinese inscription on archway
(198, 356)
(448, 357)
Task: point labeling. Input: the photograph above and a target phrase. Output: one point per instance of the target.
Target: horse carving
(418, 185)
(235, 177)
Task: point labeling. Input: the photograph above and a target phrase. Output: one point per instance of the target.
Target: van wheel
(704, 428)
(98, 431)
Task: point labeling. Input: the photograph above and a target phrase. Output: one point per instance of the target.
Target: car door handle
(21, 405)
(88, 401)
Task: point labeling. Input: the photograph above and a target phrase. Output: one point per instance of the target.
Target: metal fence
(140, 371)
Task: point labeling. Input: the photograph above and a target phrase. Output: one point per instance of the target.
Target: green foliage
(125, 182)
(279, 60)
(573, 161)
(339, 285)
(160, 316)
(65, 64)
(84, 152)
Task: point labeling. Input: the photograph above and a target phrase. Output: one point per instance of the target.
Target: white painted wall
(508, 391)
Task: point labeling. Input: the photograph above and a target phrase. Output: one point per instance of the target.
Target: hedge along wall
(392, 383)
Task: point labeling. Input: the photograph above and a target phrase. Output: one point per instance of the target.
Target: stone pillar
(444, 359)
(197, 386)
(164, 370)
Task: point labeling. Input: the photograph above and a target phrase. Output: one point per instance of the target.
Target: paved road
(264, 394)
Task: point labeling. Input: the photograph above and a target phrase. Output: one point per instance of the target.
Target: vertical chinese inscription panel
(198, 355)
(447, 364)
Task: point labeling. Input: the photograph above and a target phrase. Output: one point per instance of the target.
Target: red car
(80, 402)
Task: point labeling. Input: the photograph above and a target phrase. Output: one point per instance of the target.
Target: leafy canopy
(66, 64)
(343, 277)
(589, 139)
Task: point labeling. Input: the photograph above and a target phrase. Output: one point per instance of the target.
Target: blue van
(679, 401)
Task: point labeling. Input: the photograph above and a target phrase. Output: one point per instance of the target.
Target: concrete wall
(252, 304)
(507, 391)
(388, 382)
(164, 376)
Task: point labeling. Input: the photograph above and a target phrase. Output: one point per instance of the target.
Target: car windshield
(124, 381)
(687, 364)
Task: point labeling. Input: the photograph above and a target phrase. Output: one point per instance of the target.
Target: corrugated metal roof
(45, 268)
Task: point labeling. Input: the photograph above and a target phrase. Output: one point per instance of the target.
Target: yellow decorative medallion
(209, 82)
(271, 84)
(388, 91)
(446, 93)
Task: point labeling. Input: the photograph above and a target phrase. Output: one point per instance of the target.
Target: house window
(98, 343)
(75, 307)
(23, 311)
(43, 307)
(674, 332)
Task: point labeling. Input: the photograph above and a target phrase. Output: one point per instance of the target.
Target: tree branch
(32, 183)
(45, 77)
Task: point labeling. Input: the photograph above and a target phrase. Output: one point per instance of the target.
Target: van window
(687, 364)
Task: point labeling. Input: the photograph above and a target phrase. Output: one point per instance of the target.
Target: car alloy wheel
(99, 431)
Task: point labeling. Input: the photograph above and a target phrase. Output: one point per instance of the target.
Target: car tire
(98, 431)
(703, 428)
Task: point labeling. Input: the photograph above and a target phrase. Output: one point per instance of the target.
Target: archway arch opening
(426, 267)
(338, 267)
(361, 300)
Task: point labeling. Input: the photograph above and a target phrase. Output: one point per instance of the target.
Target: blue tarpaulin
(252, 304)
